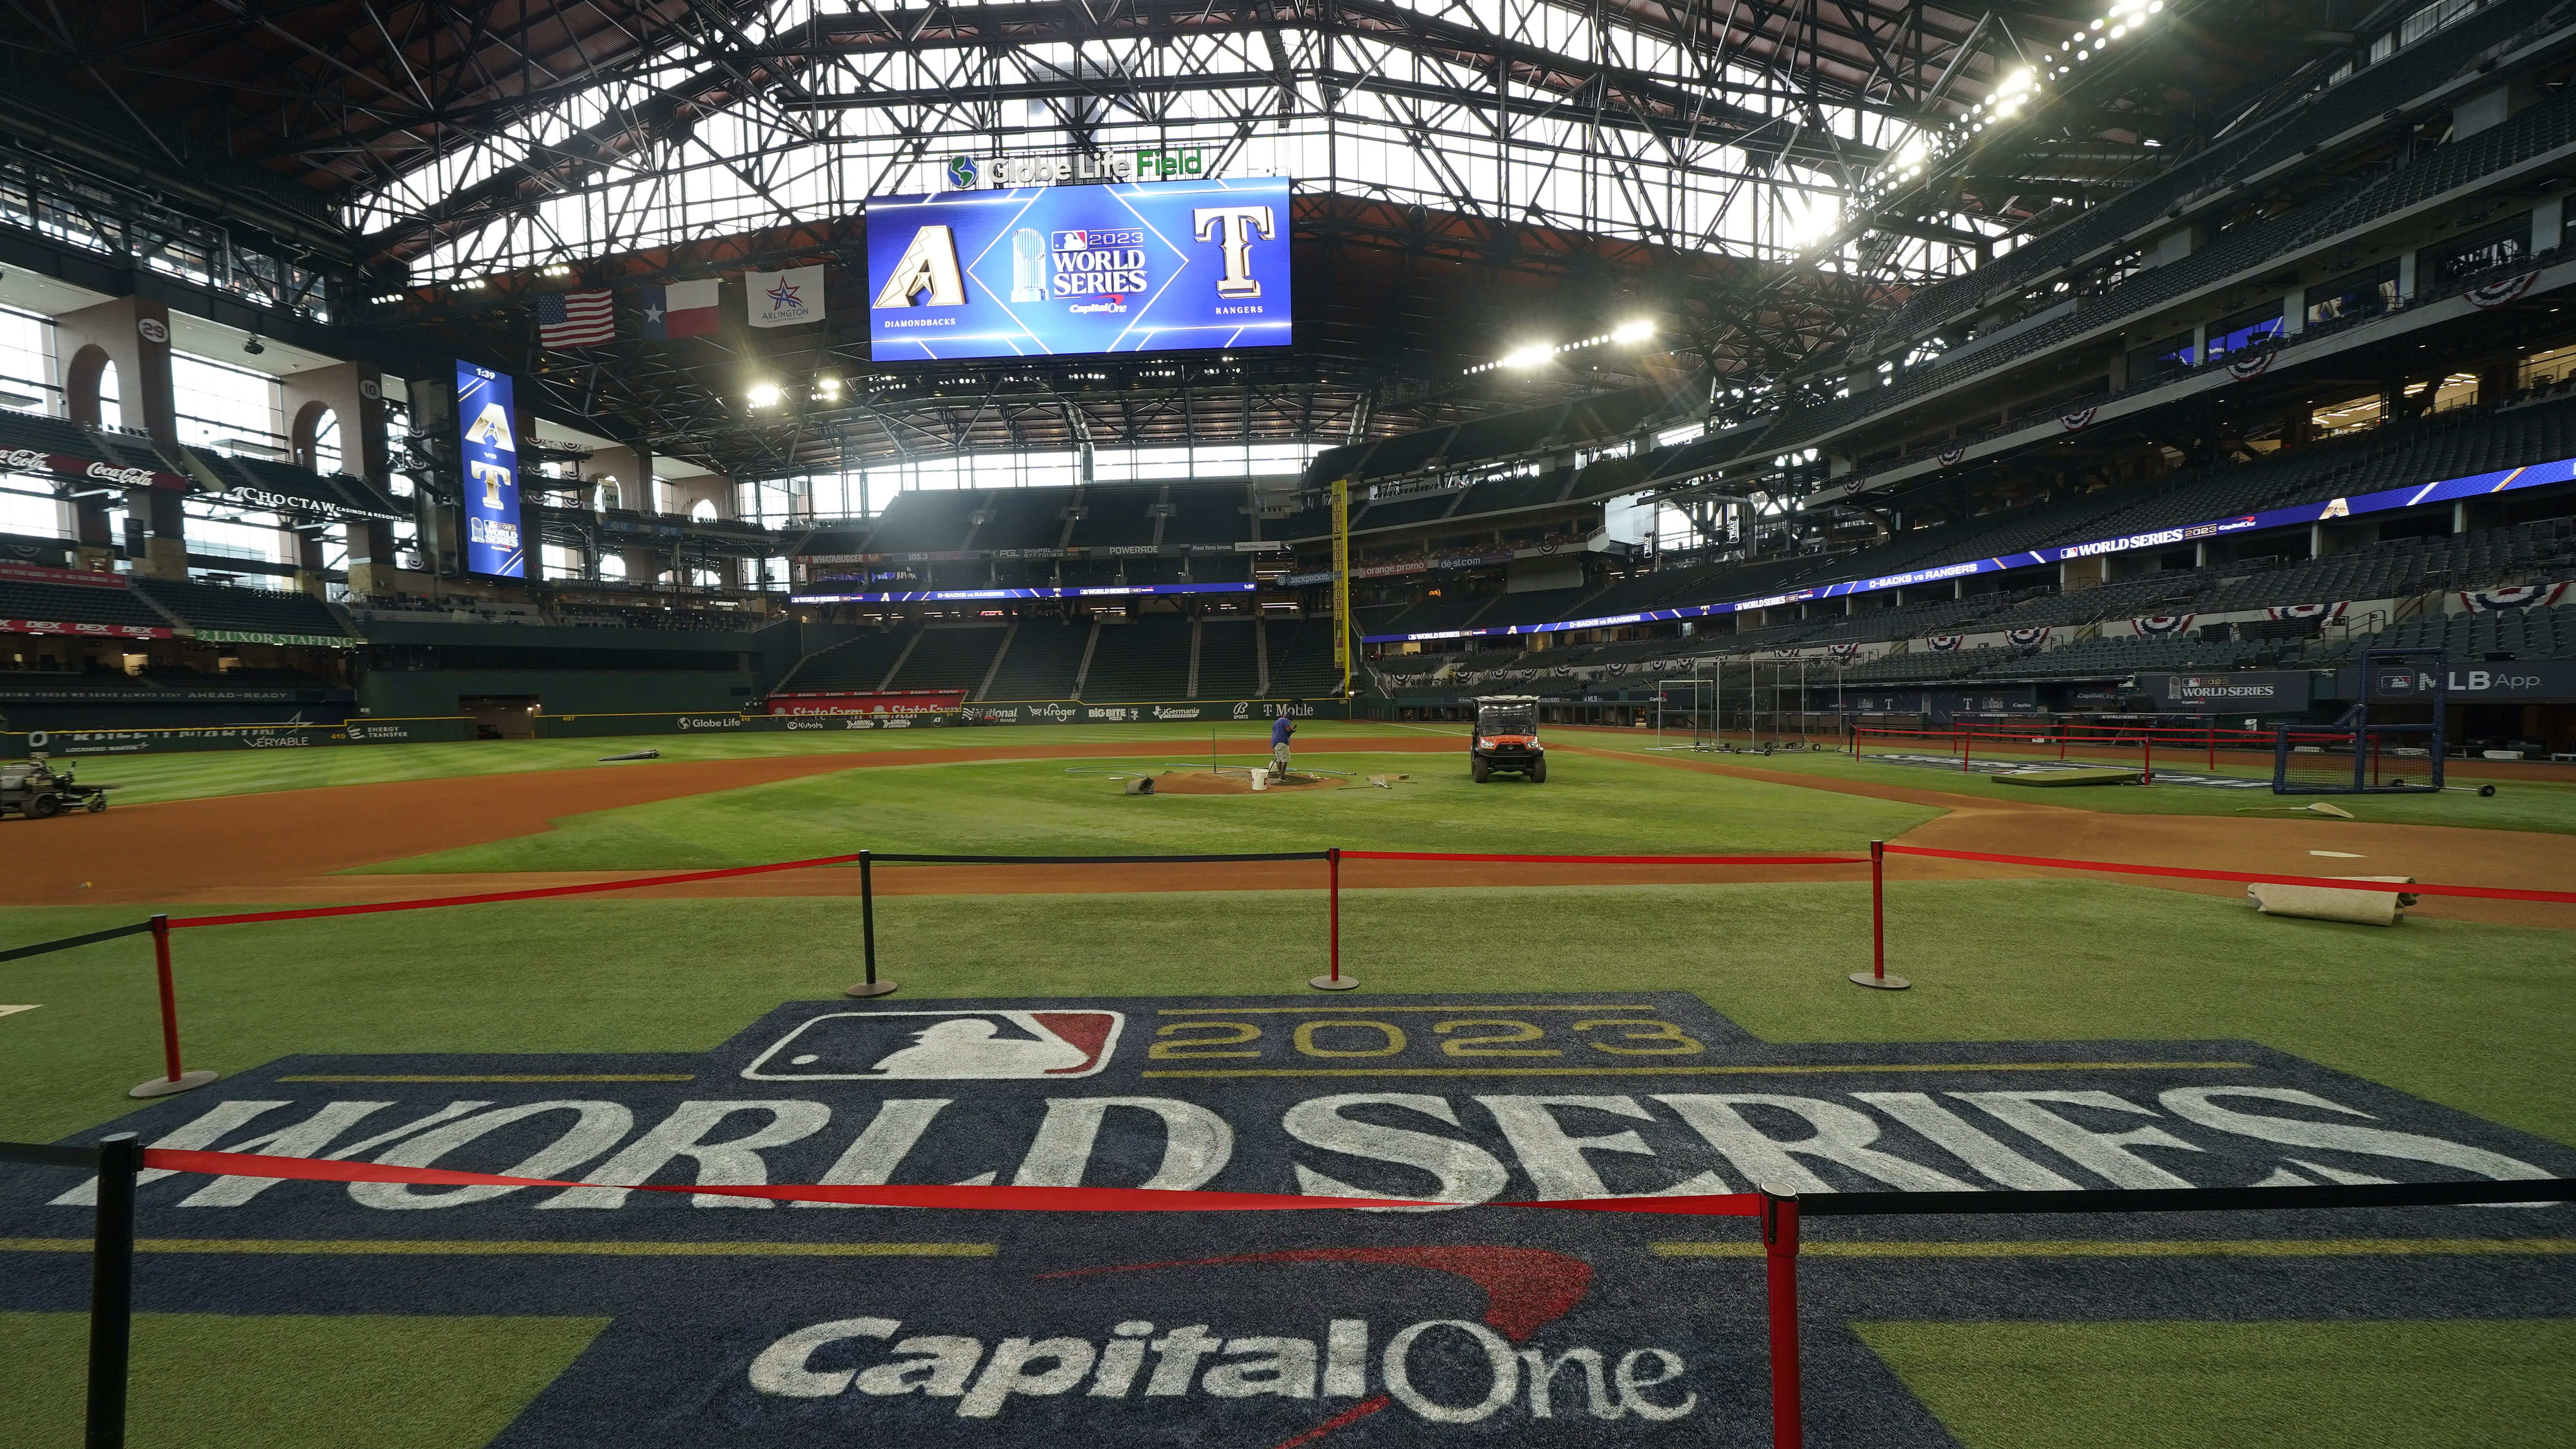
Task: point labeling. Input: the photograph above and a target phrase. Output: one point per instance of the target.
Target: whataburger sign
(735, 1327)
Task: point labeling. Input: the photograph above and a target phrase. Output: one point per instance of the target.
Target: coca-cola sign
(29, 460)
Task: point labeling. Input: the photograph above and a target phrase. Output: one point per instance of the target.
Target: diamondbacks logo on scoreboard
(738, 1323)
(1144, 266)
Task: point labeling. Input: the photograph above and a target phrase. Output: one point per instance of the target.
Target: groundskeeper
(1280, 729)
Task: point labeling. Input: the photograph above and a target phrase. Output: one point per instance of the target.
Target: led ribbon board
(486, 427)
(1149, 266)
(948, 596)
(2502, 480)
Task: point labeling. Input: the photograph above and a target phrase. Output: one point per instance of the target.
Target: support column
(354, 394)
(133, 333)
(433, 413)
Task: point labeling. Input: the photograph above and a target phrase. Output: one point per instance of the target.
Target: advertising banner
(940, 596)
(922, 701)
(2529, 681)
(487, 425)
(1146, 266)
(87, 631)
(30, 460)
(2258, 690)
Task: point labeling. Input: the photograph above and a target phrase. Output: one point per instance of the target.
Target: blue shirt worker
(1280, 729)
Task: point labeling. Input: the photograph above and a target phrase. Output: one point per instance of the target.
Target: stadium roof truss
(427, 150)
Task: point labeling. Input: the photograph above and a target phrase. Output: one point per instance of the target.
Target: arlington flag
(784, 299)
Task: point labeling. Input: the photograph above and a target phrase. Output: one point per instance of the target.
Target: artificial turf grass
(2532, 805)
(208, 1381)
(199, 775)
(2207, 1385)
(1034, 807)
(2475, 1016)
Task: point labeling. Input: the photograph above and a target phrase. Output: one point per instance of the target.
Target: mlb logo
(862, 1046)
(1073, 241)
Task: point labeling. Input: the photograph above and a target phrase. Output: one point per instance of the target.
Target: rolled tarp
(2325, 903)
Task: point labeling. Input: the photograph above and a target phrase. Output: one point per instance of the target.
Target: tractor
(38, 791)
(1506, 739)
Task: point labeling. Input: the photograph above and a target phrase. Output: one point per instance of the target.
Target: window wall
(864, 492)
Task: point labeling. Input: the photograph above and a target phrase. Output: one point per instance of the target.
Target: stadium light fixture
(764, 395)
(827, 386)
(1637, 331)
(1530, 356)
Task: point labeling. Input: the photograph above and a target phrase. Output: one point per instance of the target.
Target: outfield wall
(82, 743)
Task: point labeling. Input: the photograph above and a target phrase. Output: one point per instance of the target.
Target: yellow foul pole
(1342, 582)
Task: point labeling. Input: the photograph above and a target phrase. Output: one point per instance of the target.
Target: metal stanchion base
(1333, 983)
(163, 1086)
(870, 988)
(1880, 983)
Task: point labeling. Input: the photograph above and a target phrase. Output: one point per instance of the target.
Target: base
(870, 988)
(164, 1087)
(1879, 983)
(1333, 983)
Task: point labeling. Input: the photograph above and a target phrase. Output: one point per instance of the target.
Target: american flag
(576, 319)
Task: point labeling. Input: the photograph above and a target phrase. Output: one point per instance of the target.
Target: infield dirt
(282, 847)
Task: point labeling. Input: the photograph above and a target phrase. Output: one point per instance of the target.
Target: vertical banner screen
(1146, 266)
(487, 425)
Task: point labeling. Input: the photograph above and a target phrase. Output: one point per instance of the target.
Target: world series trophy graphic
(1028, 266)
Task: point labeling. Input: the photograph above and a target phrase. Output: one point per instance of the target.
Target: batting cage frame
(2362, 752)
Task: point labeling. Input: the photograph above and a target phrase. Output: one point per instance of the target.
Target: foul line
(1676, 1071)
(600, 1077)
(2185, 1248)
(469, 1248)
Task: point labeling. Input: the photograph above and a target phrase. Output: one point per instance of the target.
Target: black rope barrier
(118, 1160)
(66, 943)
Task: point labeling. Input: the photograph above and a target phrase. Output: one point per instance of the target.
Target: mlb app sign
(487, 428)
(1053, 270)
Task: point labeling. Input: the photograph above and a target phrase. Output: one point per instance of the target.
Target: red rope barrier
(1005, 1199)
(2498, 893)
(1613, 859)
(426, 903)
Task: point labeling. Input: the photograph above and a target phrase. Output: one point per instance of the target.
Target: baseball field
(1583, 1026)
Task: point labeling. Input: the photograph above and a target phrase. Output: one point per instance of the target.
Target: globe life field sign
(1149, 266)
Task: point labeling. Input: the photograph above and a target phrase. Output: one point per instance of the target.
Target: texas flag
(681, 309)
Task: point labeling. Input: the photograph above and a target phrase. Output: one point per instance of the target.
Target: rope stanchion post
(173, 1079)
(1780, 1280)
(868, 932)
(1333, 979)
(1876, 976)
(111, 1290)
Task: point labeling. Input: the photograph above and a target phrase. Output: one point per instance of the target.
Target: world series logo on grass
(739, 1323)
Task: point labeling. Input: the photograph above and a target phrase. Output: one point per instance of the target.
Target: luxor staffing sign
(1053, 270)
(489, 449)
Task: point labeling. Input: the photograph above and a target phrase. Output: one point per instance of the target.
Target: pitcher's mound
(1233, 782)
